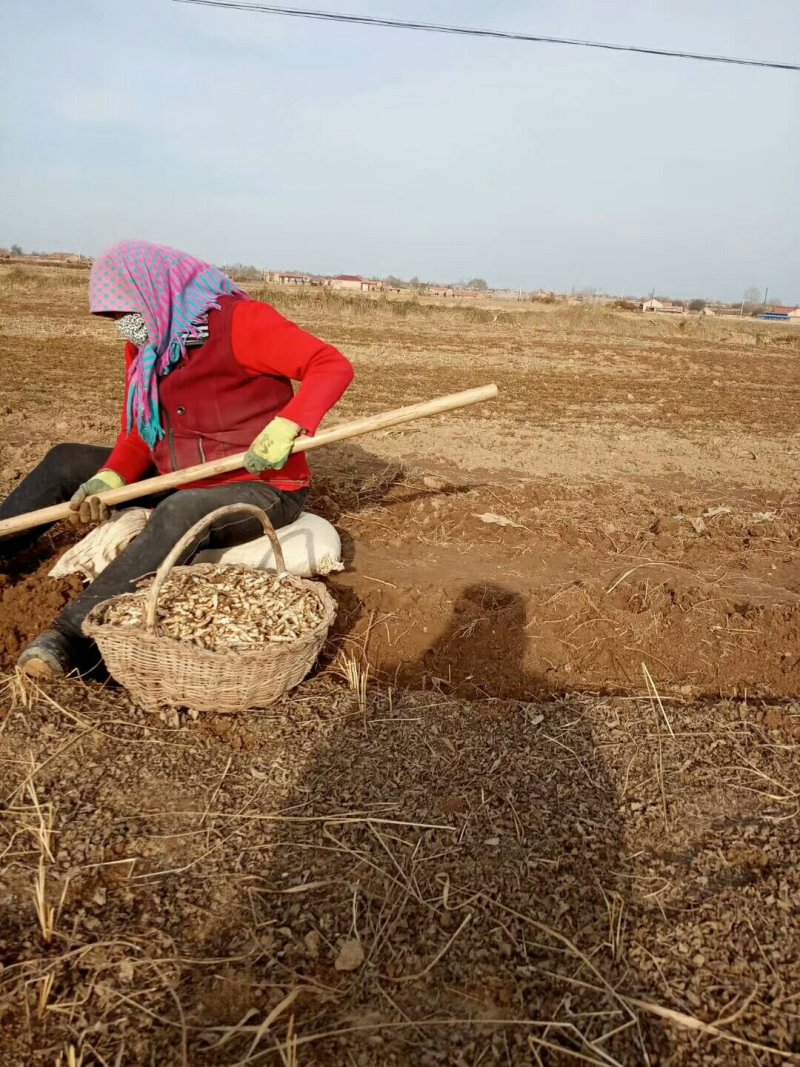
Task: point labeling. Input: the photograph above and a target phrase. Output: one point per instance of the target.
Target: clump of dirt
(29, 605)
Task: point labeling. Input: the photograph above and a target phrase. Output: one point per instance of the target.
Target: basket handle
(192, 535)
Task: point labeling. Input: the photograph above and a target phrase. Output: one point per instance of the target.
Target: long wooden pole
(347, 430)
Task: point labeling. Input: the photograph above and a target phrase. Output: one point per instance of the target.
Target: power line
(432, 27)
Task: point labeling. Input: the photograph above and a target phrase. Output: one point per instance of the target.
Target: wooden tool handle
(384, 421)
(191, 537)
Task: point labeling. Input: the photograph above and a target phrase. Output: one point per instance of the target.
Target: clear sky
(288, 143)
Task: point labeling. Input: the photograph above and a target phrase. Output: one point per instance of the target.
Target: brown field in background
(567, 805)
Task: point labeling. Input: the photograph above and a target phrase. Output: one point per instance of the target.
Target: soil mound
(29, 605)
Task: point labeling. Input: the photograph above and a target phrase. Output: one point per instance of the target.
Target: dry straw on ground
(433, 881)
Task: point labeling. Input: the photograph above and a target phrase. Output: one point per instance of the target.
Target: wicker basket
(159, 671)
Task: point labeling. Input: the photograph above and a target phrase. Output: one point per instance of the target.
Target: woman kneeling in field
(208, 375)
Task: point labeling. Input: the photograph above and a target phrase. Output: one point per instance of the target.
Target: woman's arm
(267, 343)
(131, 458)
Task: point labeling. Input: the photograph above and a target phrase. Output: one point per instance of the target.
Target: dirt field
(562, 826)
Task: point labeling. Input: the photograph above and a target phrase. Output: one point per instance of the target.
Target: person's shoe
(49, 655)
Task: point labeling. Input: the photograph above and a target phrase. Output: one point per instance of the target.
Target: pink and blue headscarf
(173, 292)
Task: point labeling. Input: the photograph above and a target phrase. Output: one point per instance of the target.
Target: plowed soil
(562, 823)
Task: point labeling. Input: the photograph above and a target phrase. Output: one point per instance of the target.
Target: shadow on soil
(480, 653)
(467, 833)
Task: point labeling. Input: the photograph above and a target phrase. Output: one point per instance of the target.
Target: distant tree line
(416, 283)
(243, 272)
(18, 250)
(752, 301)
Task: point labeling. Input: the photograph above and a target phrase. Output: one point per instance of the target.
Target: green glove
(86, 506)
(272, 447)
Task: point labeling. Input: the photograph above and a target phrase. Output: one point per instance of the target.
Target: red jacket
(223, 393)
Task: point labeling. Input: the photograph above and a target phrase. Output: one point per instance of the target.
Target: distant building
(289, 277)
(507, 294)
(354, 282)
(663, 308)
(780, 314)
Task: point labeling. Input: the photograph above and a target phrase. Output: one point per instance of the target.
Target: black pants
(65, 467)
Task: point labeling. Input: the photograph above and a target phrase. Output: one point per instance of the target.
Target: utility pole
(766, 293)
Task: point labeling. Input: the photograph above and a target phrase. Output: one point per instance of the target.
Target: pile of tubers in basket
(226, 608)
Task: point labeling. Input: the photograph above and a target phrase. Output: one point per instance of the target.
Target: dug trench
(527, 590)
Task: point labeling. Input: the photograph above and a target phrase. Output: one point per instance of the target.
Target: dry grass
(70, 1057)
(355, 671)
(560, 317)
(36, 825)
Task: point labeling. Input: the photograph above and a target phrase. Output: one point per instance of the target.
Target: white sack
(311, 546)
(100, 546)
